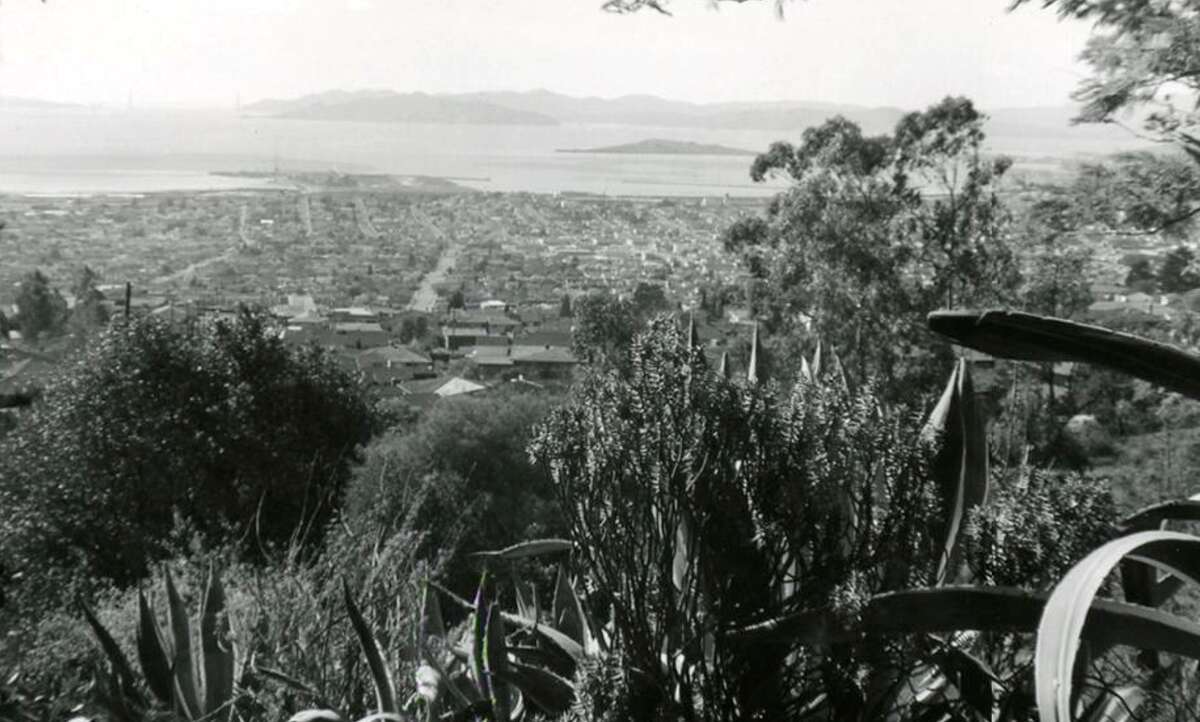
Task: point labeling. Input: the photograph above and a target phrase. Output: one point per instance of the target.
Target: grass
(1153, 467)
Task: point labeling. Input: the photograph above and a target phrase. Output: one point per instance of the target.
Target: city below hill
(662, 146)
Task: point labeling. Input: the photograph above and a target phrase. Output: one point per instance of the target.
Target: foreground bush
(288, 630)
(216, 425)
(462, 477)
(756, 553)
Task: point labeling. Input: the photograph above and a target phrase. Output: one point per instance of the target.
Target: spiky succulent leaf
(183, 666)
(116, 657)
(217, 658)
(495, 661)
(960, 466)
(153, 653)
(531, 548)
(1067, 612)
(1029, 337)
(385, 688)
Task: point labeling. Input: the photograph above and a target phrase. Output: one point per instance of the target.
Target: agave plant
(498, 666)
(188, 667)
(1073, 616)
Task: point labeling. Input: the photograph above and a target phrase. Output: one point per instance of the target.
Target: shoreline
(371, 183)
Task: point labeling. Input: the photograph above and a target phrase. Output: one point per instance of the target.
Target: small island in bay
(663, 147)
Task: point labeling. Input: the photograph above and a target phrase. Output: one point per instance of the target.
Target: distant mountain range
(543, 107)
(385, 106)
(8, 102)
(661, 146)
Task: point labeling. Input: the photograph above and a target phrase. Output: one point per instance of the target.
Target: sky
(903, 53)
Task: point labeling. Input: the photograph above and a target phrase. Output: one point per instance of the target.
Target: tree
(604, 327)
(218, 425)
(41, 310)
(1143, 54)
(1057, 279)
(1140, 193)
(1177, 274)
(456, 299)
(875, 232)
(461, 477)
(89, 311)
(1141, 276)
(564, 308)
(649, 299)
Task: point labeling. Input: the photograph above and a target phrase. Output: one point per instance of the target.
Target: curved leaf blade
(531, 548)
(1029, 337)
(385, 688)
(1067, 610)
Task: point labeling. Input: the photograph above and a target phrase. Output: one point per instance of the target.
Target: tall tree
(41, 309)
(1057, 281)
(874, 232)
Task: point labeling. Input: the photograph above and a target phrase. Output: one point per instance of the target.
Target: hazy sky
(905, 53)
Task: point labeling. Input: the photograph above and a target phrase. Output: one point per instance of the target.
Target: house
(387, 364)
(355, 314)
(353, 334)
(544, 361)
(491, 361)
(426, 392)
(457, 337)
(297, 305)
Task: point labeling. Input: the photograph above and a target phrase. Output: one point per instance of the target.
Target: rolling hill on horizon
(544, 107)
(663, 146)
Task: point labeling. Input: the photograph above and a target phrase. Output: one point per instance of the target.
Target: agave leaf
(316, 715)
(568, 611)
(682, 562)
(531, 548)
(549, 692)
(385, 688)
(216, 654)
(814, 367)
(1067, 610)
(182, 663)
(1028, 337)
(960, 466)
(495, 660)
(479, 629)
(153, 654)
(287, 680)
(948, 609)
(112, 650)
(1152, 517)
(556, 639)
(432, 625)
(524, 605)
(753, 373)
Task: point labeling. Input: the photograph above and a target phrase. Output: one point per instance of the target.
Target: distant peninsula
(662, 146)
